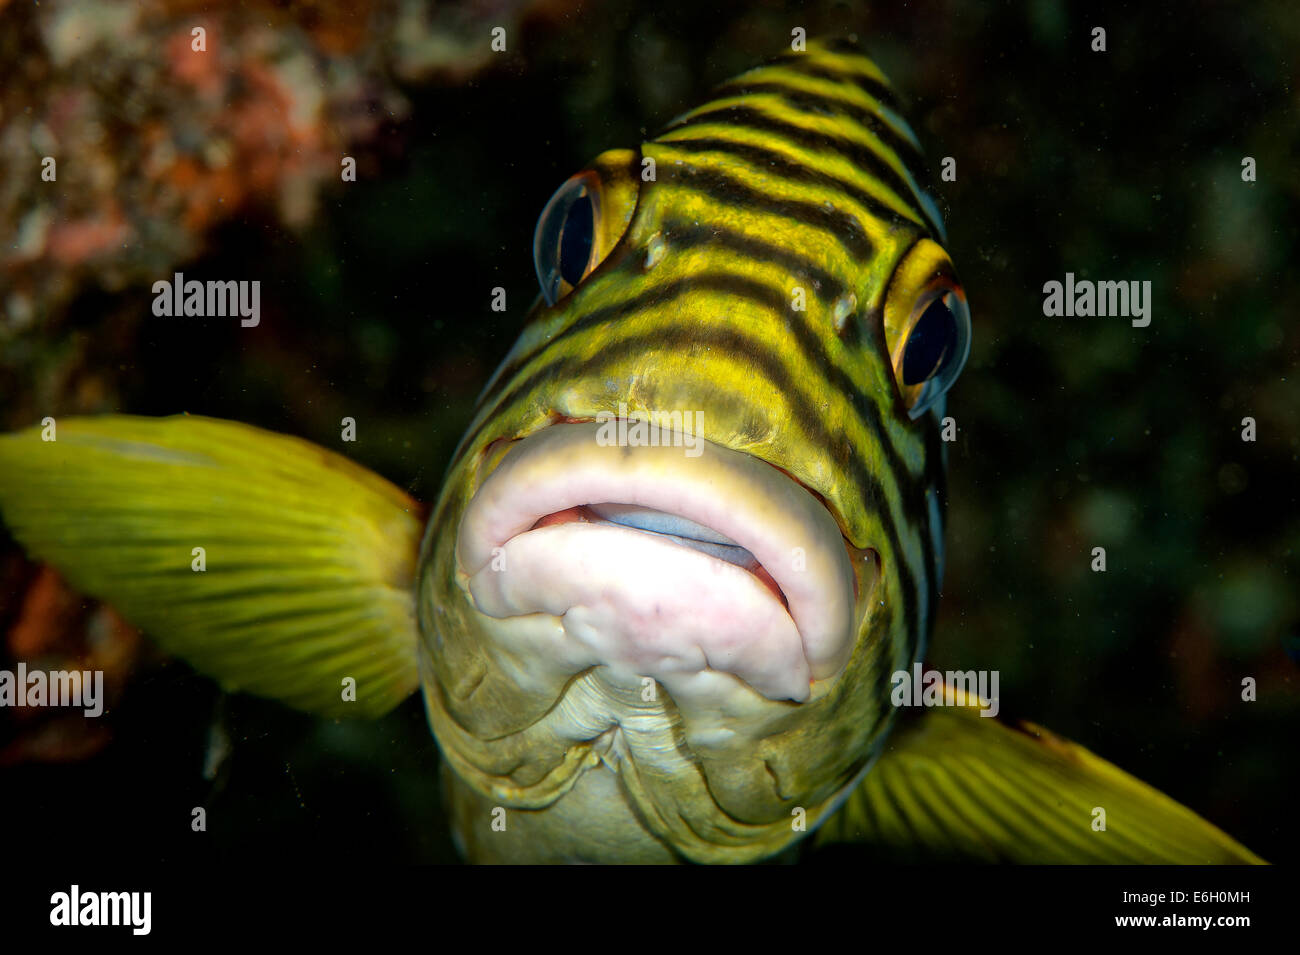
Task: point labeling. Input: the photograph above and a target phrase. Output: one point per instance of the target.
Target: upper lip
(791, 535)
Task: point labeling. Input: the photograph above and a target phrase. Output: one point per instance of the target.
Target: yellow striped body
(796, 185)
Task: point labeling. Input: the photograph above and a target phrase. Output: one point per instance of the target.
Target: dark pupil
(932, 340)
(575, 240)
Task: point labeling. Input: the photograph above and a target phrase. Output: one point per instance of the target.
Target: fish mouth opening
(662, 563)
(672, 527)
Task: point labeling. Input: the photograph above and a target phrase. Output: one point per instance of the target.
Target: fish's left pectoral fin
(951, 785)
(275, 566)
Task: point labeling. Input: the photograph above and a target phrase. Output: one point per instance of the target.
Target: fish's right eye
(583, 222)
(564, 240)
(575, 239)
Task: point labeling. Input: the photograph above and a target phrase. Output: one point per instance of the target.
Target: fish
(692, 533)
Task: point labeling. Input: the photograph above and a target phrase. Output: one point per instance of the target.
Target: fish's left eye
(583, 222)
(932, 346)
(927, 327)
(934, 349)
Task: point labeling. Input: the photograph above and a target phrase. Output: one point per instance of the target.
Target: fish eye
(931, 346)
(928, 331)
(583, 222)
(575, 239)
(934, 350)
(563, 241)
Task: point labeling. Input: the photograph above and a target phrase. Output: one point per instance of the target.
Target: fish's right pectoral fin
(952, 785)
(271, 564)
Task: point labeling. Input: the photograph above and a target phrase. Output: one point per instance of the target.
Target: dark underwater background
(1073, 432)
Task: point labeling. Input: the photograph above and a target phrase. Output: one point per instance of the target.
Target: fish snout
(665, 561)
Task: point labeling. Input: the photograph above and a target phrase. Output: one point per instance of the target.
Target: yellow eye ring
(927, 327)
(564, 242)
(583, 221)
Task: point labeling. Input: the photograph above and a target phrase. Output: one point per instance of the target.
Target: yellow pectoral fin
(952, 785)
(274, 565)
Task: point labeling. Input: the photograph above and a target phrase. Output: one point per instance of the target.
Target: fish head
(696, 523)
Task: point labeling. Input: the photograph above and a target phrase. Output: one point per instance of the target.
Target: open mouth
(673, 527)
(663, 564)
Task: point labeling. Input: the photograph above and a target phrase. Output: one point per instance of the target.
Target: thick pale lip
(647, 602)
